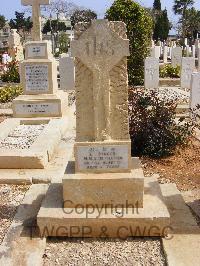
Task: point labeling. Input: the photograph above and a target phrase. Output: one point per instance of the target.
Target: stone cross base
(104, 205)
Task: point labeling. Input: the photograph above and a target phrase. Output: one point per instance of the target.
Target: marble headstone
(176, 56)
(188, 67)
(151, 73)
(67, 72)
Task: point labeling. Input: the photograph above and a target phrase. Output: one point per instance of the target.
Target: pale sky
(8, 7)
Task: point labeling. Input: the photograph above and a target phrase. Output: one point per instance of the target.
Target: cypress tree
(157, 5)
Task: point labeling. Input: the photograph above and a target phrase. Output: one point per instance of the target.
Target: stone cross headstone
(36, 16)
(151, 78)
(195, 92)
(188, 67)
(176, 56)
(100, 49)
(100, 52)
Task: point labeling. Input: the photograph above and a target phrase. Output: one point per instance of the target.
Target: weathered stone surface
(151, 220)
(188, 67)
(101, 189)
(182, 248)
(192, 199)
(176, 56)
(101, 81)
(22, 244)
(151, 73)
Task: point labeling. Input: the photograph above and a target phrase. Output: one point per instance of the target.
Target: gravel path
(137, 252)
(10, 198)
(22, 137)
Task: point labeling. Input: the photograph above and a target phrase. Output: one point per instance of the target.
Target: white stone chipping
(22, 137)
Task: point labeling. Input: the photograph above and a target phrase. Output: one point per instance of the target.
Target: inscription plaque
(37, 108)
(106, 157)
(36, 51)
(36, 78)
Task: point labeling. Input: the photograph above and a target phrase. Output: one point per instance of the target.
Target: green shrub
(139, 30)
(12, 74)
(153, 129)
(168, 71)
(8, 93)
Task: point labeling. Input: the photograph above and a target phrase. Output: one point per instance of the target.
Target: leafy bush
(168, 71)
(8, 93)
(12, 74)
(139, 30)
(153, 129)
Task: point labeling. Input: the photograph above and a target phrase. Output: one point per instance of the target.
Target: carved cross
(100, 49)
(36, 16)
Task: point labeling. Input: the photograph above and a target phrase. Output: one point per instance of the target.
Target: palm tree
(180, 7)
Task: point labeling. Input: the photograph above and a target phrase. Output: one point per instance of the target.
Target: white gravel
(137, 252)
(22, 137)
(10, 198)
(175, 94)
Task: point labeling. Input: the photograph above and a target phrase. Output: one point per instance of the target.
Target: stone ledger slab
(40, 152)
(109, 189)
(102, 157)
(152, 220)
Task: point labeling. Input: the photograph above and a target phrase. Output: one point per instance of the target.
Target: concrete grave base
(40, 152)
(106, 188)
(96, 220)
(30, 106)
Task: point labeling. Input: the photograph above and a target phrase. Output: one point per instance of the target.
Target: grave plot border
(41, 151)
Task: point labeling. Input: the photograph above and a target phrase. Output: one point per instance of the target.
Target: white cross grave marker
(36, 16)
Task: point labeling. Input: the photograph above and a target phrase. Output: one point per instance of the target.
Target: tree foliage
(192, 22)
(61, 7)
(2, 21)
(162, 26)
(53, 26)
(20, 22)
(139, 30)
(180, 7)
(153, 129)
(83, 15)
(157, 5)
